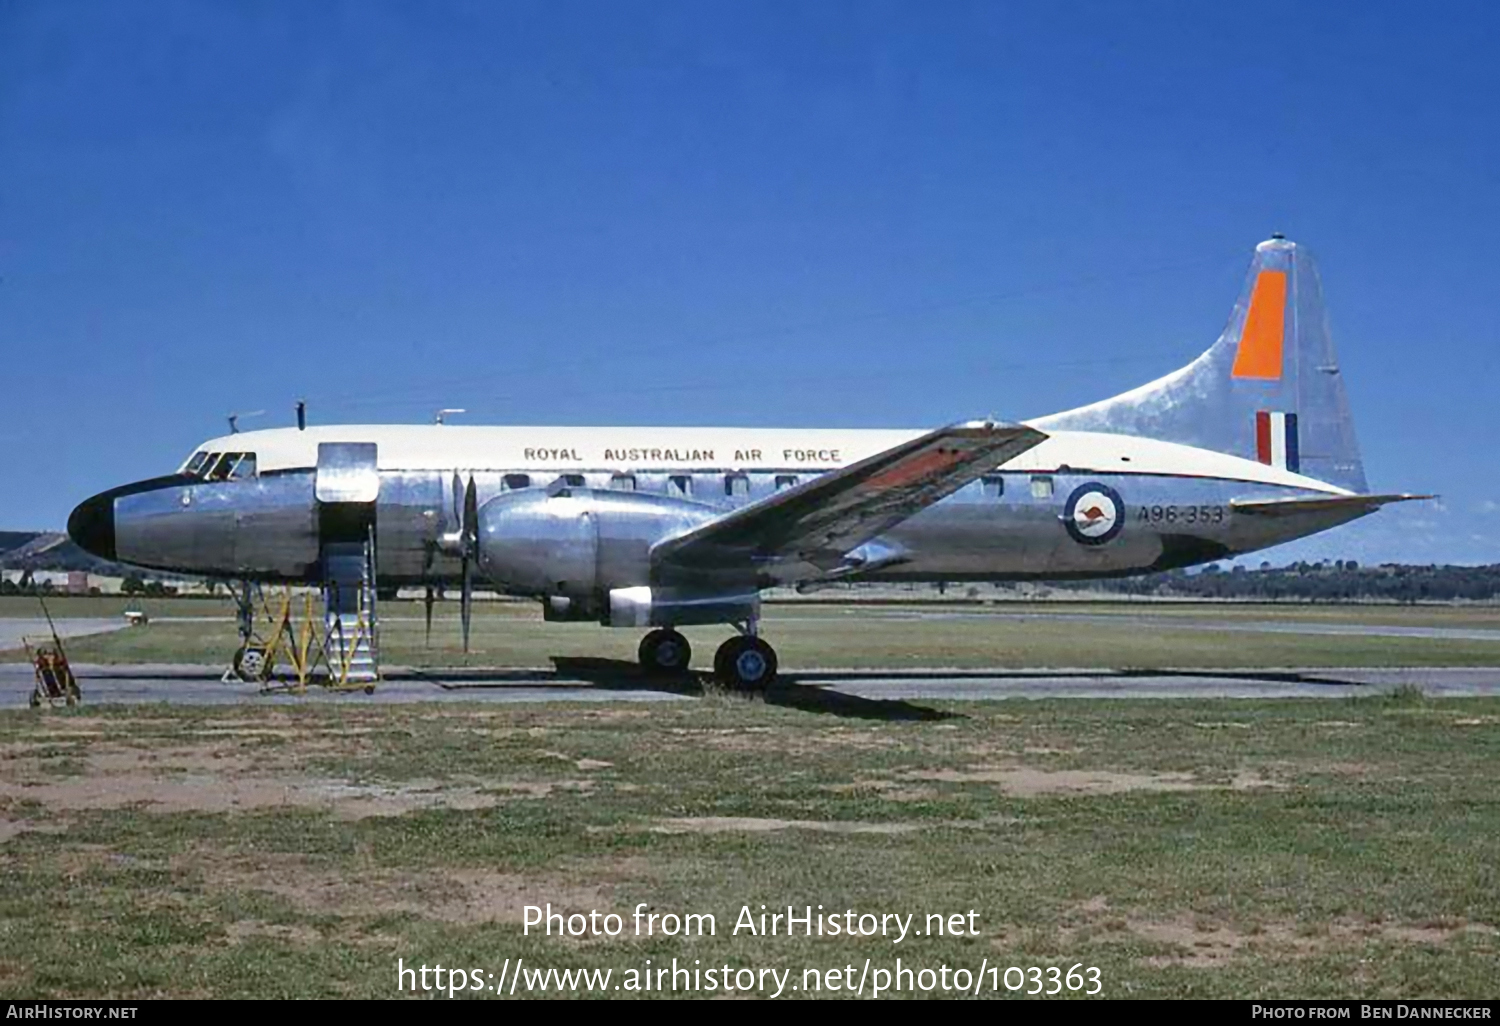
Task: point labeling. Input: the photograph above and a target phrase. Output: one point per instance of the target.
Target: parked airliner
(1248, 446)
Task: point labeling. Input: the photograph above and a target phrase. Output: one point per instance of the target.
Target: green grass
(1310, 848)
(807, 636)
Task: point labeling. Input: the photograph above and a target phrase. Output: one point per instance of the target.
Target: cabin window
(196, 463)
(515, 482)
(574, 480)
(622, 483)
(1041, 486)
(736, 486)
(785, 481)
(993, 486)
(679, 486)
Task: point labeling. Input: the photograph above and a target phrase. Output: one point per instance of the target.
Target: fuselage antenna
(234, 420)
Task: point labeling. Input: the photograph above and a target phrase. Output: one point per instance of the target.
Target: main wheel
(665, 651)
(250, 664)
(747, 664)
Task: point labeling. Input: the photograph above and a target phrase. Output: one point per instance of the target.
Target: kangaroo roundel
(1094, 513)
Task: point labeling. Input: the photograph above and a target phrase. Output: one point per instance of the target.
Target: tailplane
(1269, 389)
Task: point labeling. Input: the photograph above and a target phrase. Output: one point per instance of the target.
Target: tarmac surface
(856, 692)
(1179, 623)
(12, 631)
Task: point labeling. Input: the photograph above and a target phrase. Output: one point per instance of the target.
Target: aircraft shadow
(809, 698)
(623, 675)
(604, 674)
(804, 690)
(1268, 676)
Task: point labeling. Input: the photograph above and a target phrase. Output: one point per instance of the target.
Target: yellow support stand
(288, 645)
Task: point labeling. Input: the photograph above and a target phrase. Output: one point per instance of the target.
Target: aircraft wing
(821, 520)
(1321, 504)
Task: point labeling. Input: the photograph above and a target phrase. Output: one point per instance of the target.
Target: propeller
(429, 592)
(470, 530)
(463, 543)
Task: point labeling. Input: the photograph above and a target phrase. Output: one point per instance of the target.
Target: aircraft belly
(967, 538)
(1257, 532)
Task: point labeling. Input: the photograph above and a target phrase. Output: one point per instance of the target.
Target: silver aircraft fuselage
(1249, 445)
(1169, 505)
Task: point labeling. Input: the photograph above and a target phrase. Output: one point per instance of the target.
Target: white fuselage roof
(448, 447)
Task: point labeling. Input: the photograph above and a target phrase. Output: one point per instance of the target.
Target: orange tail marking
(1259, 355)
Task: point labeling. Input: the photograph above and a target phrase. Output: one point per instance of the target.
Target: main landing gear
(745, 662)
(665, 652)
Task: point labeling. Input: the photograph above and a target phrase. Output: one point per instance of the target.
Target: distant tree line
(131, 585)
(1336, 581)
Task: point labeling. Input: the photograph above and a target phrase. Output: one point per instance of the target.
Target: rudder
(1269, 389)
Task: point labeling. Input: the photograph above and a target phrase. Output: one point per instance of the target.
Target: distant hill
(1336, 581)
(53, 550)
(15, 539)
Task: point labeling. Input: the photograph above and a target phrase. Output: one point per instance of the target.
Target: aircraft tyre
(250, 664)
(664, 651)
(745, 664)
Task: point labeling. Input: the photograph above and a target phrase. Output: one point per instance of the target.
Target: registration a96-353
(1181, 514)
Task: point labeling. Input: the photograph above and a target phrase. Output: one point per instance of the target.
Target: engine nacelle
(673, 607)
(580, 543)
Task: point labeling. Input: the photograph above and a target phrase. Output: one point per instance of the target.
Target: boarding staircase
(352, 638)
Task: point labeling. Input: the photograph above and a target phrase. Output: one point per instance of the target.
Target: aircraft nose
(92, 525)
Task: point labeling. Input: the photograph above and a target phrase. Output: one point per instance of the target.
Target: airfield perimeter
(1346, 843)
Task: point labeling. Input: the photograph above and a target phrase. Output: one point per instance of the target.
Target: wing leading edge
(821, 521)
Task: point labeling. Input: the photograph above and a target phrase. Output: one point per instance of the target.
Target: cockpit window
(221, 466)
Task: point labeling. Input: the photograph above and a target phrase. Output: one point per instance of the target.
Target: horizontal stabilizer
(821, 520)
(1323, 504)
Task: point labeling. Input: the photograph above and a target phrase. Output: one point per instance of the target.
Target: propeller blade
(428, 598)
(466, 607)
(471, 520)
(458, 500)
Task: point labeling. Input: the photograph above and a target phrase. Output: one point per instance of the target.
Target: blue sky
(840, 214)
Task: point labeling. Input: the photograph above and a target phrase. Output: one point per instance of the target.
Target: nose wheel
(665, 652)
(745, 663)
(251, 665)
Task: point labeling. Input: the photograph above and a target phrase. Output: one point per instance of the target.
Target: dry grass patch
(226, 777)
(458, 896)
(1030, 782)
(754, 825)
(886, 790)
(1204, 943)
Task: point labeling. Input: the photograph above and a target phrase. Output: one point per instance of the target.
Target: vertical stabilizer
(1269, 389)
